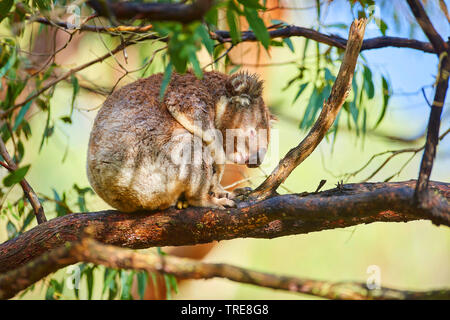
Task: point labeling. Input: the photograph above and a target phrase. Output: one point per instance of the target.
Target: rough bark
(344, 206)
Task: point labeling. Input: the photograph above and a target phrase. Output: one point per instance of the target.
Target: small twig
(393, 153)
(4, 113)
(27, 190)
(220, 57)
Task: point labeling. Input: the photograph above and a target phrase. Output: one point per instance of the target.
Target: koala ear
(244, 83)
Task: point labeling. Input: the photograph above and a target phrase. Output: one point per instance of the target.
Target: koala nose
(256, 159)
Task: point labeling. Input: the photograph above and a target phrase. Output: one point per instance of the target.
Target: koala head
(244, 120)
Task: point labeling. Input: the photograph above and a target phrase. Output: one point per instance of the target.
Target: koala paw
(222, 194)
(221, 203)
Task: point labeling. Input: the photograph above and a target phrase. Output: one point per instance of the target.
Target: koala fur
(130, 162)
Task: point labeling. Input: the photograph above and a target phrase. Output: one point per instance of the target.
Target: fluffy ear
(244, 83)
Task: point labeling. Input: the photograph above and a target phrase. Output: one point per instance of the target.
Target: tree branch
(90, 251)
(421, 16)
(422, 195)
(347, 205)
(27, 189)
(248, 36)
(327, 116)
(180, 12)
(331, 40)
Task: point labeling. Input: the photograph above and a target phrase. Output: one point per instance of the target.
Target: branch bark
(421, 16)
(347, 205)
(331, 40)
(180, 12)
(327, 116)
(89, 250)
(422, 194)
(248, 36)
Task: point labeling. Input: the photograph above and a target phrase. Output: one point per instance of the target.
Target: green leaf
(28, 219)
(89, 272)
(382, 25)
(194, 61)
(386, 98)
(9, 63)
(142, 279)
(168, 287)
(5, 6)
(15, 176)
(43, 5)
(329, 76)
(353, 109)
(173, 282)
(165, 81)
(206, 39)
(48, 130)
(127, 280)
(288, 42)
(76, 89)
(233, 24)
(251, 4)
(257, 26)
(109, 279)
(11, 229)
(300, 91)
(21, 115)
(50, 293)
(66, 119)
(368, 83)
(337, 25)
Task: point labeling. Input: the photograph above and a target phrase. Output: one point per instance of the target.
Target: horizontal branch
(180, 12)
(282, 215)
(90, 251)
(224, 36)
(331, 40)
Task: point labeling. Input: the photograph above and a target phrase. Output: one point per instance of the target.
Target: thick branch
(345, 206)
(27, 189)
(180, 12)
(88, 250)
(327, 116)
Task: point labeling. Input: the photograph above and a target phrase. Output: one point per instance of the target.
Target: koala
(147, 153)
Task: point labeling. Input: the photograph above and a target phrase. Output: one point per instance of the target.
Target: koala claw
(182, 204)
